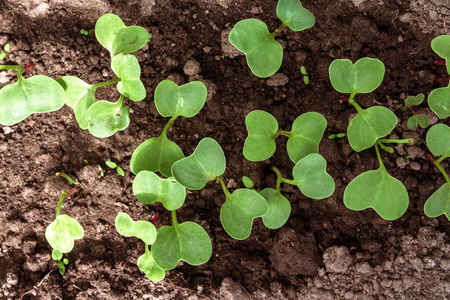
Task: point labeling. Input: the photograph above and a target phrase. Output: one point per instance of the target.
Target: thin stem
(282, 132)
(280, 179)
(105, 83)
(224, 187)
(120, 101)
(438, 165)
(278, 30)
(354, 103)
(174, 218)
(147, 251)
(60, 201)
(170, 123)
(393, 141)
(12, 67)
(378, 154)
(67, 177)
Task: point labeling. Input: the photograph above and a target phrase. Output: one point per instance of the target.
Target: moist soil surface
(324, 251)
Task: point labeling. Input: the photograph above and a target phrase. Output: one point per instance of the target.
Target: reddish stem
(155, 218)
(343, 98)
(430, 158)
(29, 66)
(444, 79)
(440, 62)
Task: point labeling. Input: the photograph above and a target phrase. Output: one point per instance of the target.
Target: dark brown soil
(325, 251)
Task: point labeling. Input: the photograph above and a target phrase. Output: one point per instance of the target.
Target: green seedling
(102, 172)
(305, 75)
(439, 99)
(84, 32)
(417, 119)
(438, 141)
(303, 139)
(113, 165)
(6, 49)
(338, 135)
(61, 233)
(248, 183)
(263, 53)
(171, 101)
(68, 178)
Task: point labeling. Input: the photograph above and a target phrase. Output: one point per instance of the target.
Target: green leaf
(412, 123)
(7, 47)
(441, 45)
(248, 183)
(419, 99)
(278, 209)
(56, 255)
(205, 164)
(62, 232)
(120, 171)
(187, 100)
(156, 155)
(262, 130)
(150, 188)
(410, 101)
(37, 94)
(106, 118)
(439, 102)
(151, 270)
(305, 79)
(111, 164)
(438, 140)
(106, 29)
(124, 224)
(126, 67)
(378, 190)
(362, 77)
(438, 203)
(62, 268)
(369, 125)
(187, 241)
(424, 122)
(264, 54)
(312, 178)
(129, 40)
(2, 55)
(303, 70)
(292, 13)
(142, 230)
(239, 210)
(304, 139)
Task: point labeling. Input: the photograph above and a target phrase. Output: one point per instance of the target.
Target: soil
(325, 251)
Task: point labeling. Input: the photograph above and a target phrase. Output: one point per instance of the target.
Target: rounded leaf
(124, 224)
(106, 29)
(278, 209)
(264, 54)
(439, 203)
(142, 230)
(126, 67)
(248, 183)
(62, 232)
(438, 140)
(292, 13)
(106, 118)
(439, 102)
(151, 270)
(75, 89)
(441, 45)
(262, 129)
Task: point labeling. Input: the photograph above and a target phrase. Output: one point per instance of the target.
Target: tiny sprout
(3, 53)
(305, 75)
(84, 32)
(338, 135)
(68, 178)
(102, 172)
(417, 119)
(248, 183)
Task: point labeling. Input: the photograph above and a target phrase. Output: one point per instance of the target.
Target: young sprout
(6, 49)
(113, 165)
(248, 183)
(102, 172)
(338, 135)
(439, 99)
(417, 119)
(84, 32)
(304, 73)
(68, 178)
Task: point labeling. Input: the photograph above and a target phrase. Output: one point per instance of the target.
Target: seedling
(338, 135)
(102, 172)
(61, 233)
(263, 53)
(68, 178)
(439, 99)
(248, 183)
(438, 141)
(305, 75)
(6, 49)
(84, 32)
(113, 165)
(417, 119)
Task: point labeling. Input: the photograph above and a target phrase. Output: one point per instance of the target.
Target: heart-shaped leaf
(239, 210)
(362, 77)
(438, 140)
(312, 178)
(150, 188)
(156, 155)
(369, 125)
(126, 67)
(264, 54)
(378, 190)
(129, 39)
(441, 45)
(304, 139)
(187, 241)
(278, 208)
(37, 94)
(205, 164)
(187, 100)
(147, 264)
(293, 15)
(62, 232)
(142, 230)
(439, 102)
(106, 118)
(262, 130)
(106, 29)
(439, 203)
(412, 123)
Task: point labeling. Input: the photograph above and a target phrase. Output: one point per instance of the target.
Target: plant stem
(278, 30)
(60, 201)
(378, 154)
(401, 141)
(174, 218)
(353, 102)
(120, 101)
(280, 179)
(12, 67)
(224, 188)
(282, 132)
(170, 123)
(438, 165)
(147, 251)
(105, 83)
(67, 177)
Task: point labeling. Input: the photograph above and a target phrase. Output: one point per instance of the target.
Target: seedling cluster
(417, 119)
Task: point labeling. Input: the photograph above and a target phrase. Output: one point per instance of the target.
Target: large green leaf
(441, 45)
(156, 155)
(205, 164)
(147, 264)
(142, 230)
(439, 102)
(106, 118)
(264, 54)
(106, 29)
(439, 203)
(378, 190)
(305, 136)
(278, 208)
(126, 67)
(362, 77)
(369, 125)
(187, 241)
(37, 94)
(292, 13)
(239, 210)
(262, 130)
(187, 100)
(62, 232)
(438, 140)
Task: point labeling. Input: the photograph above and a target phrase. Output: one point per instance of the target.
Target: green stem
(353, 102)
(120, 101)
(278, 30)
(12, 67)
(437, 163)
(389, 141)
(280, 179)
(282, 132)
(147, 251)
(105, 83)
(170, 123)
(378, 154)
(174, 218)
(224, 187)
(60, 201)
(67, 177)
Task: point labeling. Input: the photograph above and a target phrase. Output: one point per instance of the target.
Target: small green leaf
(205, 164)
(62, 232)
(124, 224)
(362, 77)
(142, 230)
(369, 125)
(378, 190)
(424, 122)
(62, 268)
(305, 79)
(304, 139)
(264, 54)
(56, 254)
(332, 136)
(262, 130)
(129, 40)
(438, 203)
(7, 47)
(37, 94)
(303, 70)
(293, 15)
(410, 101)
(156, 155)
(312, 178)
(239, 210)
(120, 171)
(147, 265)
(111, 164)
(187, 100)
(278, 209)
(438, 140)
(419, 99)
(412, 123)
(65, 261)
(150, 188)
(2, 55)
(106, 29)
(126, 67)
(187, 241)
(106, 118)
(439, 102)
(248, 183)
(340, 135)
